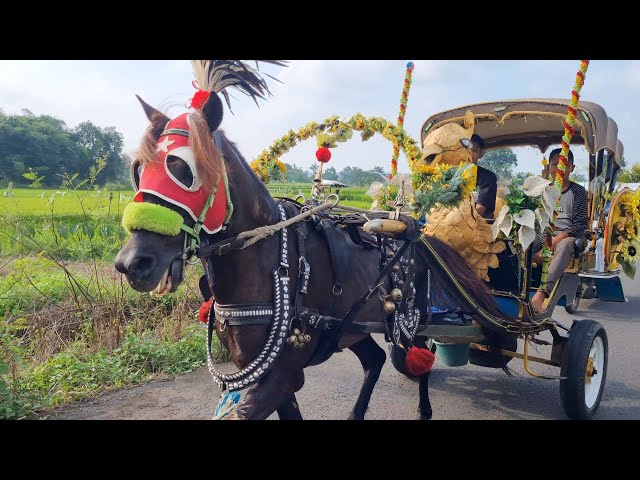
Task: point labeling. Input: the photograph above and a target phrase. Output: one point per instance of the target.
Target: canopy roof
(536, 122)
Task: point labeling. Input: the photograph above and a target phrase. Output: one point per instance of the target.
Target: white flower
(543, 219)
(503, 223)
(534, 185)
(549, 199)
(527, 232)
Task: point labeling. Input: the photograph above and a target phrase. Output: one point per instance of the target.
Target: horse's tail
(459, 280)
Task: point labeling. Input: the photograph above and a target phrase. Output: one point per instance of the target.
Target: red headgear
(156, 178)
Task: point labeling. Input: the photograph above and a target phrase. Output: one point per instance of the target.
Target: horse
(257, 288)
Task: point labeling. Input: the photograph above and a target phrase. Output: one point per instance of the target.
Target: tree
(99, 142)
(42, 144)
(45, 146)
(500, 161)
(297, 175)
(630, 175)
(330, 174)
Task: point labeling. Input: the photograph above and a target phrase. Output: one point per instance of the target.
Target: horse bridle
(192, 239)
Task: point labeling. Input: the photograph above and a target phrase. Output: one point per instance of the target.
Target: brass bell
(389, 308)
(291, 339)
(307, 338)
(301, 338)
(296, 331)
(396, 295)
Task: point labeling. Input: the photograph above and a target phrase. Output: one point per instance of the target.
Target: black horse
(252, 289)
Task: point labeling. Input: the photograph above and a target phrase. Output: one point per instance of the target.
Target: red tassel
(323, 154)
(203, 313)
(419, 361)
(199, 99)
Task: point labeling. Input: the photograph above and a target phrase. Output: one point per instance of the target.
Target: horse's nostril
(141, 265)
(120, 266)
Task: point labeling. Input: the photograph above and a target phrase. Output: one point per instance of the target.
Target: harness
(288, 306)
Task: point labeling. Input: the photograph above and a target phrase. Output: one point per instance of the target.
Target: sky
(103, 92)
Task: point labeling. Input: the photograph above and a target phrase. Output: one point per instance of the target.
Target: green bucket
(452, 354)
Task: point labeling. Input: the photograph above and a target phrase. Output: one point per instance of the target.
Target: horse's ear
(152, 114)
(212, 111)
(469, 121)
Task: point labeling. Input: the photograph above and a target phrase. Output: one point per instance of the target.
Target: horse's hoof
(424, 416)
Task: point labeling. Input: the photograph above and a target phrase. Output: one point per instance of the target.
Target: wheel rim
(595, 372)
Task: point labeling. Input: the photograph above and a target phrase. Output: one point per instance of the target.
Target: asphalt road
(457, 393)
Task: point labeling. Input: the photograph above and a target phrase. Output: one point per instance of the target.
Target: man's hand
(481, 209)
(558, 238)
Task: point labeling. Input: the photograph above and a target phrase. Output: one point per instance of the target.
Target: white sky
(102, 91)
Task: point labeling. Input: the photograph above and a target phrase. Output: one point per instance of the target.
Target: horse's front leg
(289, 410)
(424, 406)
(372, 358)
(276, 391)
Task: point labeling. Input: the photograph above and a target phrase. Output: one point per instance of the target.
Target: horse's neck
(253, 205)
(245, 276)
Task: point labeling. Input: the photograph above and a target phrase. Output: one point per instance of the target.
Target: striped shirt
(572, 211)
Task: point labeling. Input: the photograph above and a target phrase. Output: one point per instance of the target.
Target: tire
(573, 306)
(587, 340)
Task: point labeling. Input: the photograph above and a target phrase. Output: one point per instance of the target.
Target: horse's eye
(180, 171)
(466, 143)
(135, 173)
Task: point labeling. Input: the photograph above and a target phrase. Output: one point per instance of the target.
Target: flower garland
(569, 130)
(264, 170)
(403, 109)
(569, 123)
(335, 129)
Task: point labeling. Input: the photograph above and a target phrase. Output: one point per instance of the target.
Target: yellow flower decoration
(333, 130)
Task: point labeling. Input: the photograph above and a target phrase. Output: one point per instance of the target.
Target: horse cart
(288, 283)
(581, 352)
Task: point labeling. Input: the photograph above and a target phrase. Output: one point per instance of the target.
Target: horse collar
(279, 315)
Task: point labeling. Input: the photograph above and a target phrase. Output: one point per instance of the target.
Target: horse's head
(181, 193)
(450, 143)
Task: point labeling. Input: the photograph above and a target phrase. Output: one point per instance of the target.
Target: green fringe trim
(151, 217)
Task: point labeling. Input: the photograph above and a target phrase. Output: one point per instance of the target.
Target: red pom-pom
(419, 361)
(323, 154)
(203, 313)
(199, 99)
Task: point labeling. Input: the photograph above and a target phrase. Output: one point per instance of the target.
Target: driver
(571, 223)
(486, 181)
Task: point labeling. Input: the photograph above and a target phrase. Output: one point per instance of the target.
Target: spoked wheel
(584, 365)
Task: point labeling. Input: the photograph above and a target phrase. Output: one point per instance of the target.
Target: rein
(248, 238)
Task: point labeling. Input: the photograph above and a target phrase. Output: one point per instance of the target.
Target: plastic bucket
(452, 354)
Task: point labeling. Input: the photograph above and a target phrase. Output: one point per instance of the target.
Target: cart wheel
(573, 306)
(584, 364)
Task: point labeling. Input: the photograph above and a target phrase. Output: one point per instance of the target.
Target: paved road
(457, 393)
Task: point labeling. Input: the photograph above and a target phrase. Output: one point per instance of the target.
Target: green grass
(38, 203)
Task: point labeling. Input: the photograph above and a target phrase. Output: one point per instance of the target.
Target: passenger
(571, 223)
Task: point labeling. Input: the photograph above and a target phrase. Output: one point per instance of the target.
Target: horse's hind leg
(372, 358)
(289, 410)
(424, 407)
